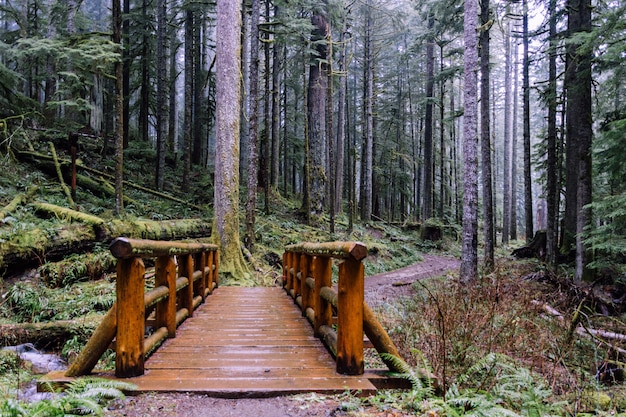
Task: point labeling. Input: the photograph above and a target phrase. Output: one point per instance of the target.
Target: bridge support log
(322, 274)
(165, 275)
(351, 291)
(129, 346)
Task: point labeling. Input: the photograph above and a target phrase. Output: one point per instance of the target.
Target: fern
(85, 396)
(420, 389)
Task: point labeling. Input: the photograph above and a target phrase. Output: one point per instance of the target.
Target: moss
(595, 400)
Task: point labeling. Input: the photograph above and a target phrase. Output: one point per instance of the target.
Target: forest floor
(379, 289)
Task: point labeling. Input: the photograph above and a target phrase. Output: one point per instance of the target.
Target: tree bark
(469, 250)
(228, 102)
(506, 177)
(485, 138)
(253, 133)
(579, 129)
(188, 97)
(119, 113)
(161, 101)
(367, 182)
(316, 104)
(528, 190)
(428, 122)
(551, 163)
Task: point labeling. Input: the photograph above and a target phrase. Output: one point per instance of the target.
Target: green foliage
(494, 386)
(24, 302)
(84, 396)
(9, 361)
(77, 268)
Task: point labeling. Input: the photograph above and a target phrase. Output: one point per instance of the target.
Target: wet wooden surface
(246, 342)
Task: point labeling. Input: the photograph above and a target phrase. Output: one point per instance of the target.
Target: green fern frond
(420, 389)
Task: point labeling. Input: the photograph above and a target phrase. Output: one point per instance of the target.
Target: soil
(378, 289)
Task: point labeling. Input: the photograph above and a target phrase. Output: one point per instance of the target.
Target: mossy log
(38, 158)
(51, 335)
(35, 246)
(17, 201)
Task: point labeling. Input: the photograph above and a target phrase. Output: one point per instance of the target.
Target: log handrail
(307, 277)
(185, 274)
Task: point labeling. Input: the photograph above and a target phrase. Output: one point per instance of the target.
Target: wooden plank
(245, 342)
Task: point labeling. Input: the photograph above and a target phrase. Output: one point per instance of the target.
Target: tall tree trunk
(172, 127)
(528, 190)
(551, 163)
(161, 111)
(253, 126)
(469, 249)
(267, 97)
(197, 116)
(127, 61)
(367, 186)
(330, 136)
(275, 155)
(506, 177)
(579, 128)
(316, 104)
(189, 87)
(428, 121)
(514, 145)
(485, 138)
(228, 97)
(144, 103)
(341, 115)
(442, 143)
(119, 112)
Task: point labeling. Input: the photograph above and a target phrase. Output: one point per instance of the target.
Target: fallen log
(17, 201)
(48, 336)
(38, 158)
(34, 247)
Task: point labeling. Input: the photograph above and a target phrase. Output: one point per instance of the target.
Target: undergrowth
(84, 396)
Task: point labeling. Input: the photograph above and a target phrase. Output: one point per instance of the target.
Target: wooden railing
(307, 277)
(185, 273)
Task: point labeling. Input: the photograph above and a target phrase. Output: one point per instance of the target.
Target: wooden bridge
(239, 342)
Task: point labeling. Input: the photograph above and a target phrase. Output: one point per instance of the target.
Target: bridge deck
(245, 342)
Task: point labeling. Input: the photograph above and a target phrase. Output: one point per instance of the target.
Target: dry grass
(453, 326)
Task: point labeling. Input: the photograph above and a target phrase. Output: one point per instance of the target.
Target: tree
(469, 249)
(552, 196)
(161, 93)
(316, 109)
(367, 174)
(506, 189)
(228, 96)
(428, 120)
(579, 129)
(253, 126)
(119, 111)
(485, 137)
(528, 190)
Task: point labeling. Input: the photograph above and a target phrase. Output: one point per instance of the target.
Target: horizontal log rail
(185, 274)
(307, 277)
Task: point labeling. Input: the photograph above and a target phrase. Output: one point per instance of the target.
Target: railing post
(199, 264)
(351, 289)
(129, 358)
(165, 274)
(185, 269)
(290, 267)
(216, 262)
(321, 270)
(305, 291)
(209, 277)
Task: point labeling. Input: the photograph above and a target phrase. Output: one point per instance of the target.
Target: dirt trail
(378, 289)
(391, 285)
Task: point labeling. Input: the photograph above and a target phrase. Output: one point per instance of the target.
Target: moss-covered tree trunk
(228, 97)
